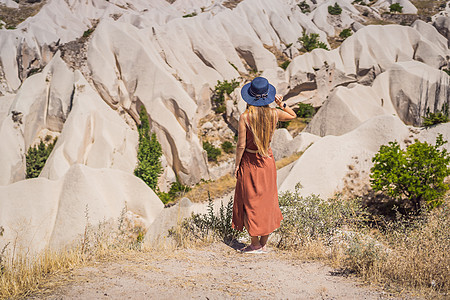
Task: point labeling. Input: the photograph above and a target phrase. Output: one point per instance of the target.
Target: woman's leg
(254, 239)
(263, 240)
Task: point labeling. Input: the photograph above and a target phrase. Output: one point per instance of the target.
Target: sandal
(251, 249)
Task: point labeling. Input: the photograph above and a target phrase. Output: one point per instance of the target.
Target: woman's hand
(235, 171)
(278, 99)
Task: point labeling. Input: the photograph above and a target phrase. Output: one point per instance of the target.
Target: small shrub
(88, 32)
(285, 64)
(304, 7)
(305, 110)
(205, 226)
(190, 15)
(233, 66)
(345, 33)
(36, 157)
(283, 124)
(446, 71)
(312, 218)
(395, 7)
(149, 153)
(416, 174)
(177, 189)
(311, 42)
(334, 10)
(224, 87)
(227, 147)
(438, 117)
(212, 152)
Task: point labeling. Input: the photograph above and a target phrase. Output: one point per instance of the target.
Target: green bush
(438, 117)
(190, 15)
(36, 157)
(334, 10)
(227, 147)
(304, 7)
(416, 174)
(177, 189)
(212, 152)
(149, 153)
(222, 88)
(446, 71)
(311, 42)
(88, 32)
(305, 110)
(312, 218)
(218, 96)
(345, 33)
(395, 7)
(285, 64)
(204, 226)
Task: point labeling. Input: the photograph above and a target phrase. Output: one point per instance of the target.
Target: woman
(256, 196)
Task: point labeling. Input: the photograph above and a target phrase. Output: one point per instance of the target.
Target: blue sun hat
(259, 92)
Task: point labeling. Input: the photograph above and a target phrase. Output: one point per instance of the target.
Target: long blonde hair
(262, 121)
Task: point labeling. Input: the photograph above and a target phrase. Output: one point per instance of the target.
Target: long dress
(256, 195)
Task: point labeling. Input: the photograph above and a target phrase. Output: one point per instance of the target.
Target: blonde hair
(262, 121)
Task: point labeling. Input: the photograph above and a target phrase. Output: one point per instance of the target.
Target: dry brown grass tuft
(216, 189)
(287, 160)
(297, 125)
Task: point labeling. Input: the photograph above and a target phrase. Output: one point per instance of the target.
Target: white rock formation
(40, 213)
(407, 89)
(407, 6)
(9, 3)
(363, 56)
(323, 167)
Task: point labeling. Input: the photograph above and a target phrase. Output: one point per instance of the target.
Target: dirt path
(213, 272)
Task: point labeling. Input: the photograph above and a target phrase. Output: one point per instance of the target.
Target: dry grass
(22, 275)
(216, 189)
(297, 125)
(426, 7)
(287, 160)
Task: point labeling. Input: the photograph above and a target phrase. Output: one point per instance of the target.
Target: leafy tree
(149, 153)
(440, 116)
(212, 152)
(415, 174)
(36, 157)
(345, 33)
(395, 7)
(305, 110)
(334, 10)
(311, 42)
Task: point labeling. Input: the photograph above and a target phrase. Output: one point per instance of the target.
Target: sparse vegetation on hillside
(221, 89)
(14, 16)
(305, 110)
(176, 190)
(149, 153)
(438, 117)
(227, 147)
(335, 9)
(311, 42)
(345, 33)
(37, 156)
(414, 176)
(304, 7)
(395, 8)
(212, 152)
(285, 64)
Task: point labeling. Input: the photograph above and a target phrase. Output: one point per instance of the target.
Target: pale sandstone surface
(40, 213)
(407, 89)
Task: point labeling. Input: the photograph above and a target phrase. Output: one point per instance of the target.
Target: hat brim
(260, 101)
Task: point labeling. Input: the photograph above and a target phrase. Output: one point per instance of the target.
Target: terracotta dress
(256, 194)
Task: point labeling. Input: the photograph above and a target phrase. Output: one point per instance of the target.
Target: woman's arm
(240, 147)
(286, 113)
